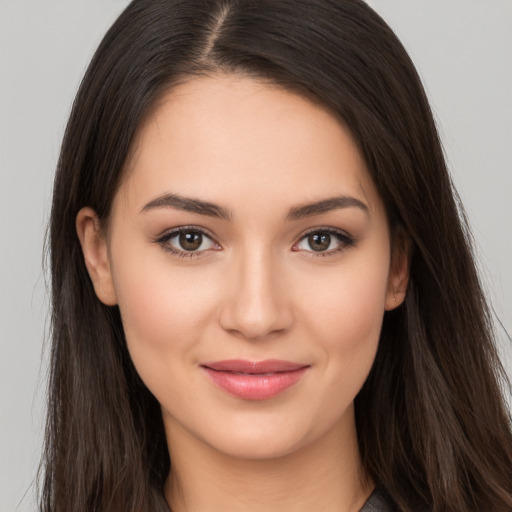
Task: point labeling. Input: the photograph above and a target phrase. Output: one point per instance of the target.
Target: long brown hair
(432, 423)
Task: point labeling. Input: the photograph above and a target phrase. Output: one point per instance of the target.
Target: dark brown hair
(432, 424)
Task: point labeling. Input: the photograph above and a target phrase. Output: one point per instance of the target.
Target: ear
(399, 270)
(96, 256)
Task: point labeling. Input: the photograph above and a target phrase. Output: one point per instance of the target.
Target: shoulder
(379, 501)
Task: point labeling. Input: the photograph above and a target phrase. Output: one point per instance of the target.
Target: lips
(254, 380)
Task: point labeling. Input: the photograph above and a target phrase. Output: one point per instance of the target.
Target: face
(249, 254)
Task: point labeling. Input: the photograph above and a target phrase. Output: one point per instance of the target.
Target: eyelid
(345, 240)
(163, 238)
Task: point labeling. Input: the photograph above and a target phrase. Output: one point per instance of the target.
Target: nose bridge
(257, 305)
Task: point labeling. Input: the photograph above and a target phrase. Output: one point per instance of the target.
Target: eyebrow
(212, 210)
(325, 206)
(189, 205)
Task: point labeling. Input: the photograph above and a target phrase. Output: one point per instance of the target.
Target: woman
(263, 294)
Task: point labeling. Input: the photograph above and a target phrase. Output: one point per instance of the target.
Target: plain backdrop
(462, 48)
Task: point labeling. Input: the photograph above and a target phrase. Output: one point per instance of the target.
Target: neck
(325, 475)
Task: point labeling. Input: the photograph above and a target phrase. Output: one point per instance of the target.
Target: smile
(254, 380)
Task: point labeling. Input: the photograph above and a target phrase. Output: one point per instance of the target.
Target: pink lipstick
(257, 380)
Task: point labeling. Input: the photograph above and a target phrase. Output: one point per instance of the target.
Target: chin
(259, 445)
(271, 432)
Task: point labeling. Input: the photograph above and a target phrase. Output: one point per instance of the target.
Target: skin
(255, 290)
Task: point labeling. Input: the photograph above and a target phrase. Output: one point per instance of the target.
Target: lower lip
(255, 386)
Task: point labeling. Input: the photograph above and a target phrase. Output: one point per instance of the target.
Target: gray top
(378, 502)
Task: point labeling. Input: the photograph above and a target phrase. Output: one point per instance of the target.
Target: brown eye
(319, 241)
(186, 241)
(190, 240)
(328, 241)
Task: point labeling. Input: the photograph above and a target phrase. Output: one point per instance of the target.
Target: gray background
(462, 48)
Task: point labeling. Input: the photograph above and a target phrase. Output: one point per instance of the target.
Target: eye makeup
(324, 241)
(194, 242)
(187, 242)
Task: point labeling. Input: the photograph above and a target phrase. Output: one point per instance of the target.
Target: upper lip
(254, 367)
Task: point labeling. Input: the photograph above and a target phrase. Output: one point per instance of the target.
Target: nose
(257, 304)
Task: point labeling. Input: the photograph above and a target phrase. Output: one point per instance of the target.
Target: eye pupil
(191, 240)
(319, 241)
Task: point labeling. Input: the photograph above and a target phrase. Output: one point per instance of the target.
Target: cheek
(344, 313)
(346, 322)
(349, 305)
(162, 310)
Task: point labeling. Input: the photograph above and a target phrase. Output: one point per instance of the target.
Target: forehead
(226, 137)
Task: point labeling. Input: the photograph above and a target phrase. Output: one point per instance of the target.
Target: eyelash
(345, 241)
(163, 241)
